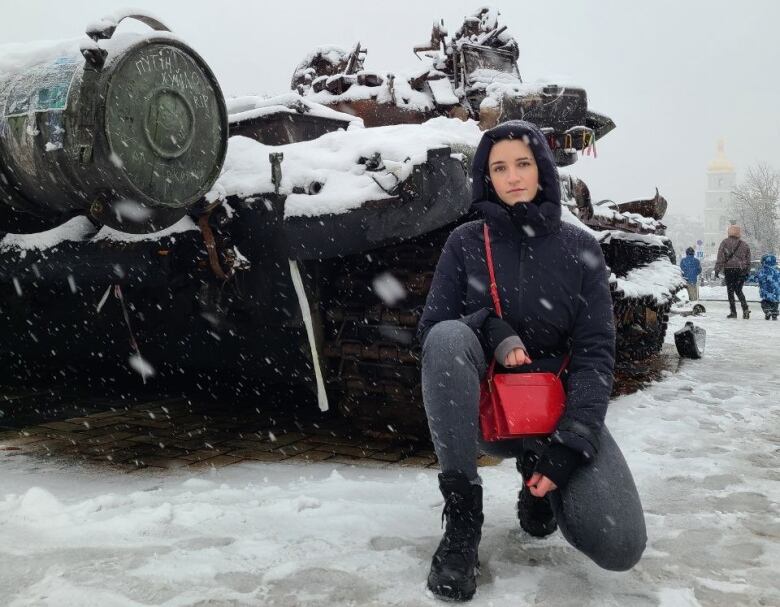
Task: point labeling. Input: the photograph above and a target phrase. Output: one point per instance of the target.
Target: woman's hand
(517, 357)
(540, 485)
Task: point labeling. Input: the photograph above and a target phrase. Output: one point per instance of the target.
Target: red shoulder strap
(497, 301)
(491, 272)
(564, 364)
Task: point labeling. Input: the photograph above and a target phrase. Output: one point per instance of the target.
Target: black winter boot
(746, 314)
(456, 561)
(535, 513)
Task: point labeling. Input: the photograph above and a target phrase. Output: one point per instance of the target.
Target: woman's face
(513, 171)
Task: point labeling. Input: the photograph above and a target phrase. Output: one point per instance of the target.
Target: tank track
(640, 323)
(372, 355)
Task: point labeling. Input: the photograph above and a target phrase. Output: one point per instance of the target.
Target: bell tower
(721, 181)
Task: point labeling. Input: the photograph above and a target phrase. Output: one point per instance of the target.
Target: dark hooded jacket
(553, 284)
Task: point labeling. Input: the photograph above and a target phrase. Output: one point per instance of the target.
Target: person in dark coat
(768, 279)
(554, 291)
(734, 261)
(691, 268)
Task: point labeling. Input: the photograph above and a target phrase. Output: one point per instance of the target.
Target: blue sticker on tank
(42, 88)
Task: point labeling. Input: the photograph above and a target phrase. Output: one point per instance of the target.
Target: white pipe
(303, 302)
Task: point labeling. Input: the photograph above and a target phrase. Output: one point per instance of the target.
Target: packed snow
(659, 279)
(77, 229)
(331, 162)
(702, 444)
(249, 107)
(81, 229)
(718, 293)
(112, 20)
(18, 57)
(606, 212)
(606, 236)
(442, 92)
(185, 224)
(397, 90)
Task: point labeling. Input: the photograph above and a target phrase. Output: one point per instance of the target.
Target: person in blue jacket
(768, 279)
(691, 268)
(554, 290)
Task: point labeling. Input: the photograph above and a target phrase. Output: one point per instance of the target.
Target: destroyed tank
(474, 75)
(307, 261)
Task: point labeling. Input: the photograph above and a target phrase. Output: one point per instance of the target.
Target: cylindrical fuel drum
(131, 130)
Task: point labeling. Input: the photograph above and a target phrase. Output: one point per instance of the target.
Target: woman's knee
(624, 554)
(604, 511)
(450, 337)
(613, 541)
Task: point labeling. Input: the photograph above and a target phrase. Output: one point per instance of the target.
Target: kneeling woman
(554, 293)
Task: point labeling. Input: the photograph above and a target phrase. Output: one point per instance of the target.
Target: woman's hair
(689, 251)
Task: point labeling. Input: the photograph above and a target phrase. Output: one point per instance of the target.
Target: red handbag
(518, 405)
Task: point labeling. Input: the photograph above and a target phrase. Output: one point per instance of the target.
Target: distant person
(734, 261)
(768, 278)
(691, 268)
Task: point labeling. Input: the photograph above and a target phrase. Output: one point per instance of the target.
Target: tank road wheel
(373, 358)
(640, 325)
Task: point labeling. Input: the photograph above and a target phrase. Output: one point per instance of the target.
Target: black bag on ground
(690, 340)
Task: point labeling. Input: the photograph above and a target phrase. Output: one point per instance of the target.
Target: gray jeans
(598, 511)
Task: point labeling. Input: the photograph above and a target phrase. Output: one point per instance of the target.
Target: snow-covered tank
(309, 259)
(473, 76)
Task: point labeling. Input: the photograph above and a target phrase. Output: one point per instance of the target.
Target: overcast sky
(674, 75)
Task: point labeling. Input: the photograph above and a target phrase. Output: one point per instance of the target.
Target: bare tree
(756, 207)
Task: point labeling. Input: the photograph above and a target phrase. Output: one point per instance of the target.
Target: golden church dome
(721, 164)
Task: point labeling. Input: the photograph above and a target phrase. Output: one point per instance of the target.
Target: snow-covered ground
(710, 293)
(703, 445)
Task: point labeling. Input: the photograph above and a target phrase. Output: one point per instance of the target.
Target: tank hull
(276, 275)
(182, 314)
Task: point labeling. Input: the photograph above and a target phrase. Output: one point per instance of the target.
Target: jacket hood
(768, 260)
(549, 184)
(537, 218)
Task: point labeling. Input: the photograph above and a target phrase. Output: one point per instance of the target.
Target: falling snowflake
(477, 284)
(590, 259)
(389, 289)
(142, 366)
(129, 209)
